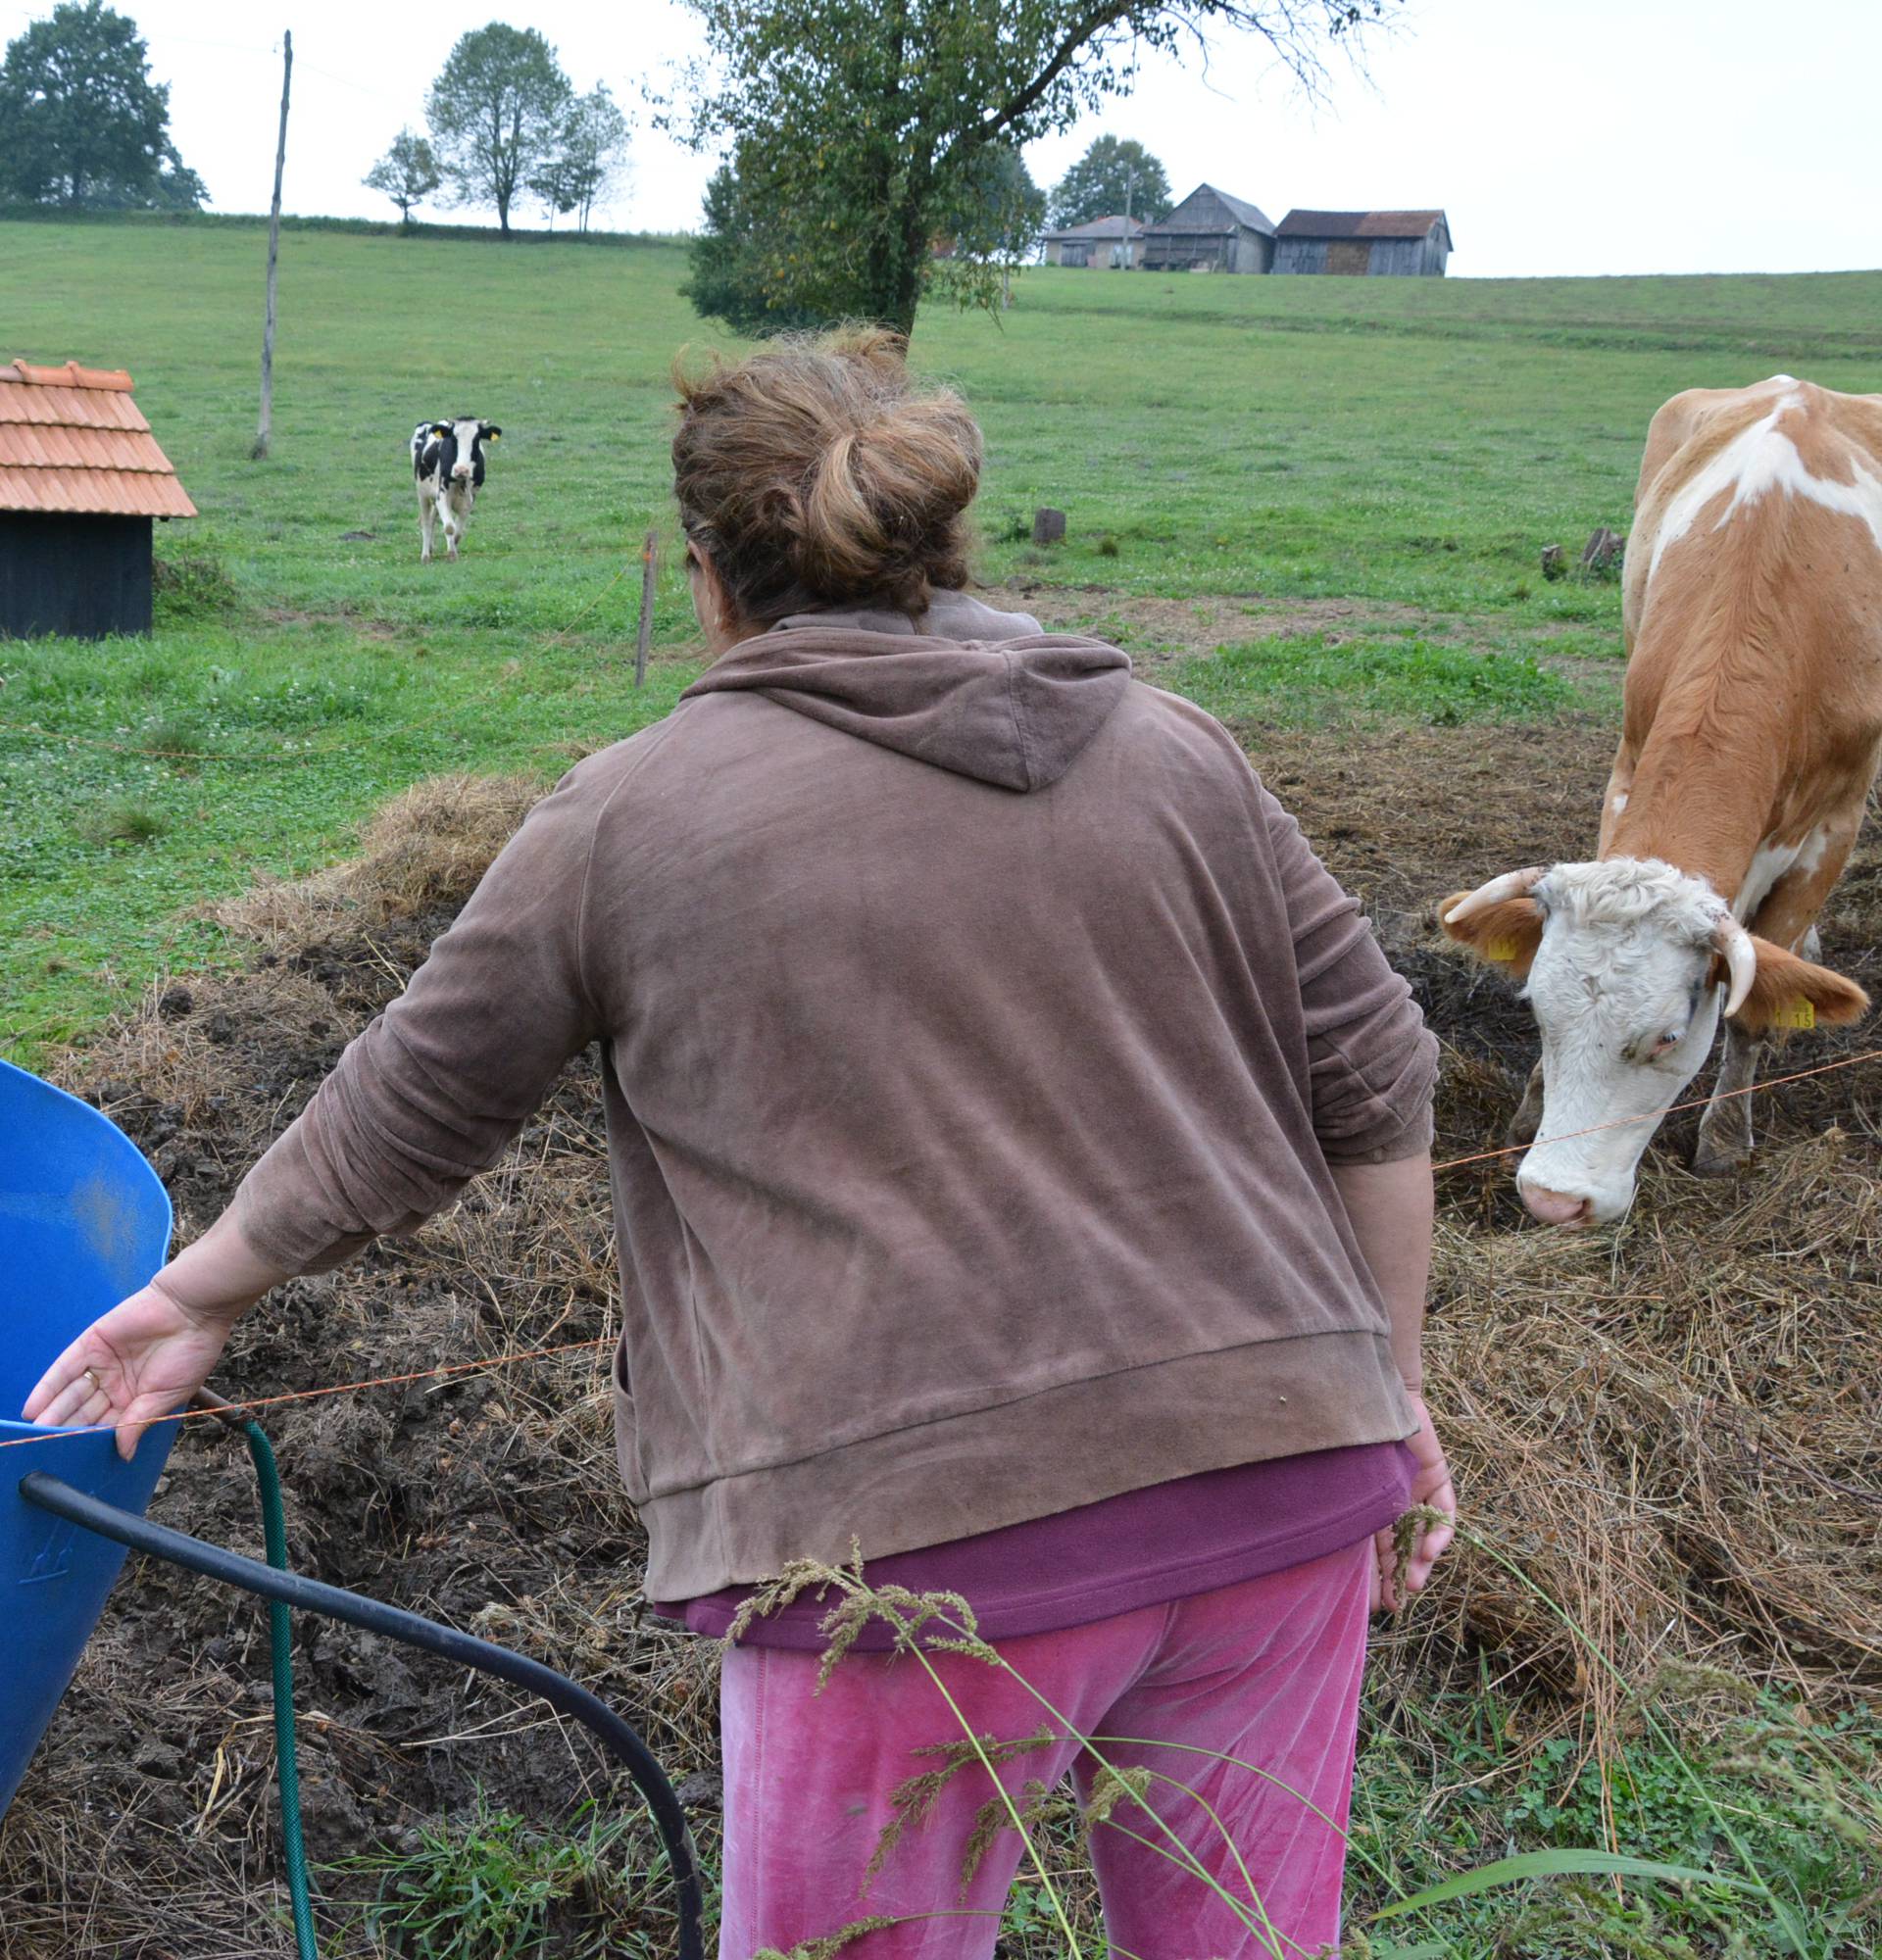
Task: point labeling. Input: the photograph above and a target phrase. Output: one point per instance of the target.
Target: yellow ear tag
(1504, 950)
(1795, 1014)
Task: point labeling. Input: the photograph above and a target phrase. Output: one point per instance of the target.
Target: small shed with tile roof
(81, 479)
(1369, 243)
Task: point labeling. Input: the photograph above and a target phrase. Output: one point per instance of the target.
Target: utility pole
(1130, 185)
(274, 251)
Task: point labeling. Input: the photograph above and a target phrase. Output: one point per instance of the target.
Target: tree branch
(1076, 39)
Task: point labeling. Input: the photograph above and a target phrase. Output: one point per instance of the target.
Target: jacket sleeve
(1372, 1063)
(435, 1089)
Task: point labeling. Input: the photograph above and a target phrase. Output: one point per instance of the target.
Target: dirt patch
(366, 624)
(1155, 631)
(1674, 1432)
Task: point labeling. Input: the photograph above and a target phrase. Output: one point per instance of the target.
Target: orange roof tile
(71, 439)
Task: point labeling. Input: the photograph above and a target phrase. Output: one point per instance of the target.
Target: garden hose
(280, 1655)
(288, 1590)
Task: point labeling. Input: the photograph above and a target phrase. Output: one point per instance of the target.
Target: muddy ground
(146, 1827)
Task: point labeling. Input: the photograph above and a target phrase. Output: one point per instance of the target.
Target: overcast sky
(1605, 137)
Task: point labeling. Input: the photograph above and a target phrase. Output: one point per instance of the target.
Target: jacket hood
(978, 693)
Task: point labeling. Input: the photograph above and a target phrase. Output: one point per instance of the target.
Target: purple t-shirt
(1142, 1549)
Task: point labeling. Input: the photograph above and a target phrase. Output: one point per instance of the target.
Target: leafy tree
(552, 182)
(590, 155)
(854, 126)
(993, 228)
(595, 149)
(998, 212)
(408, 173)
(177, 186)
(497, 112)
(747, 236)
(81, 123)
(1112, 177)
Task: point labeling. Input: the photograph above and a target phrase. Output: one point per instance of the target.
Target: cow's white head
(463, 440)
(1627, 964)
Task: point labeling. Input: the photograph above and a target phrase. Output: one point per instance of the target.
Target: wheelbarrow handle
(334, 1603)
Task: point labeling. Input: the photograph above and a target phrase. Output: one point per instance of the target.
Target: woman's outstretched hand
(144, 1358)
(1431, 1486)
(151, 1352)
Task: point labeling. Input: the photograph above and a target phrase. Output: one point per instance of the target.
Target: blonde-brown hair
(815, 473)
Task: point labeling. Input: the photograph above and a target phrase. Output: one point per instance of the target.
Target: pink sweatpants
(1267, 1672)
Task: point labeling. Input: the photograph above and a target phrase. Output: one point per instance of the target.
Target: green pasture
(1411, 445)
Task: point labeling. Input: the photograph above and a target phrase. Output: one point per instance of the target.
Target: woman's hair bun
(815, 473)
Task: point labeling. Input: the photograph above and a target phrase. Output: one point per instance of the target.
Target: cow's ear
(1505, 932)
(1792, 992)
(492, 431)
(440, 428)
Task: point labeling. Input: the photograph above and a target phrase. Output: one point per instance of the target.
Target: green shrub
(191, 585)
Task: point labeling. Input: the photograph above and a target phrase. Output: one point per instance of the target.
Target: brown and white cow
(1751, 734)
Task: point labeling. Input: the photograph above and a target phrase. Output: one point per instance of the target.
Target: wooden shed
(1366, 243)
(1112, 242)
(1211, 232)
(81, 479)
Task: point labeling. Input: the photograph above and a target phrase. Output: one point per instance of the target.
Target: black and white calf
(447, 467)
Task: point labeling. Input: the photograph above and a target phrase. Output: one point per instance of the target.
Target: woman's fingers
(67, 1385)
(1385, 1561)
(143, 1411)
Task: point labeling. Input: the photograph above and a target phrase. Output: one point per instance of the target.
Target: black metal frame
(567, 1696)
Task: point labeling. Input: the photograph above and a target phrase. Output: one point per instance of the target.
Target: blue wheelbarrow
(83, 1222)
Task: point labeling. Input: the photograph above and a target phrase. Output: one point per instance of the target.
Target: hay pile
(1672, 1433)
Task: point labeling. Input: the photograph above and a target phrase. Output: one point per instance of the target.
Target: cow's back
(1753, 600)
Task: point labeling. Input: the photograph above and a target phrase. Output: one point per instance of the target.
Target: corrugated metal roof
(1251, 215)
(1361, 224)
(1244, 213)
(71, 440)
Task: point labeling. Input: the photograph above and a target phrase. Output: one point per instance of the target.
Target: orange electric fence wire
(224, 1409)
(1672, 1110)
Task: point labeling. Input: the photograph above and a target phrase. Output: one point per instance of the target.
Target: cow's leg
(1527, 1121)
(428, 526)
(450, 532)
(1725, 1130)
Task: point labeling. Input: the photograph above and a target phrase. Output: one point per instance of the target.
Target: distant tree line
(81, 123)
(505, 121)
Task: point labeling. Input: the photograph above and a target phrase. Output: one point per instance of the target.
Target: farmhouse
(1115, 242)
(1209, 231)
(1404, 242)
(80, 478)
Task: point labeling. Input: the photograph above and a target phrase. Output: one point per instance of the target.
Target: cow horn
(1511, 885)
(1734, 944)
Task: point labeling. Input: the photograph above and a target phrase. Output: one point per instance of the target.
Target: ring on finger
(92, 1375)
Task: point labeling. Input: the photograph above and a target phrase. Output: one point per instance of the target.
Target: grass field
(1408, 446)
(1314, 507)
